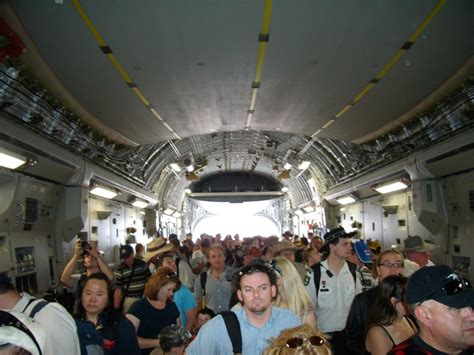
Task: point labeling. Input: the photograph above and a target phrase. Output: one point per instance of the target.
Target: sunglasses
(171, 275)
(294, 343)
(8, 320)
(275, 267)
(451, 288)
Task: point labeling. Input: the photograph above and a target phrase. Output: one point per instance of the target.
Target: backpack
(233, 328)
(317, 274)
(37, 307)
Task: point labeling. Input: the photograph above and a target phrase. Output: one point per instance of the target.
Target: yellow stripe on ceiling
(262, 43)
(103, 45)
(406, 46)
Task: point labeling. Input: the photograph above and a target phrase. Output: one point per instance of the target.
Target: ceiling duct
(391, 209)
(103, 214)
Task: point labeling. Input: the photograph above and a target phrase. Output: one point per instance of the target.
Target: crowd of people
(275, 295)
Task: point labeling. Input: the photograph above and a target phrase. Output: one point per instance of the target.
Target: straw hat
(285, 245)
(157, 247)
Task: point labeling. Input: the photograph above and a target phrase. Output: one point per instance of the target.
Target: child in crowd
(204, 315)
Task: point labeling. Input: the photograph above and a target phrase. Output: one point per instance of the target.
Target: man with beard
(259, 320)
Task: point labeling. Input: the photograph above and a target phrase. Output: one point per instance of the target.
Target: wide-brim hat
(441, 284)
(285, 245)
(157, 247)
(18, 329)
(270, 241)
(416, 243)
(336, 233)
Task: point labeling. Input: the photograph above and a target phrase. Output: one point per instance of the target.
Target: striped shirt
(137, 279)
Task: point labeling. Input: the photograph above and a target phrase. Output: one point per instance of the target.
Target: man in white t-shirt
(57, 323)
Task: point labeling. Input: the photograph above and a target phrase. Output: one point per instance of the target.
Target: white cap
(18, 329)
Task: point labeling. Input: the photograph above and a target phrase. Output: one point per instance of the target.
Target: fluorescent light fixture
(308, 209)
(142, 212)
(177, 214)
(11, 160)
(103, 192)
(284, 189)
(390, 187)
(346, 200)
(298, 212)
(168, 211)
(175, 167)
(188, 191)
(304, 165)
(287, 166)
(140, 204)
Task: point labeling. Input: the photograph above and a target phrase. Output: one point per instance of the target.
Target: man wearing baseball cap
(442, 303)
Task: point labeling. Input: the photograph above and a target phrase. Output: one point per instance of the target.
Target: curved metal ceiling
(241, 86)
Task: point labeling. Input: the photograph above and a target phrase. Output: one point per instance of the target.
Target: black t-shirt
(416, 346)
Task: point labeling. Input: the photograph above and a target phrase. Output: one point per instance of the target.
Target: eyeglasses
(452, 287)
(388, 264)
(8, 320)
(295, 343)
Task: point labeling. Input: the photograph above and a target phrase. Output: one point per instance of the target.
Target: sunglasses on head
(9, 320)
(171, 275)
(275, 267)
(452, 287)
(294, 343)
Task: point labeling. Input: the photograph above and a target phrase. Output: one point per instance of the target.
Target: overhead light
(140, 204)
(304, 165)
(11, 160)
(177, 214)
(175, 167)
(188, 191)
(298, 212)
(287, 166)
(390, 187)
(308, 209)
(284, 189)
(103, 192)
(168, 211)
(346, 200)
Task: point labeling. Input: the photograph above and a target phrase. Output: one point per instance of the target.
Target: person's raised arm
(103, 266)
(66, 276)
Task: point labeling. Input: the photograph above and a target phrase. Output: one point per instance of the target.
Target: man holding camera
(91, 260)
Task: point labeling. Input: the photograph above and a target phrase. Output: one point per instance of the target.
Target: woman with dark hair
(94, 309)
(388, 324)
(156, 310)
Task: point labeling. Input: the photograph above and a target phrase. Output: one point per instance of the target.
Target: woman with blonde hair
(292, 293)
(300, 340)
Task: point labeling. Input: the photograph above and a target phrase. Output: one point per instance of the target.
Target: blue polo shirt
(213, 338)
